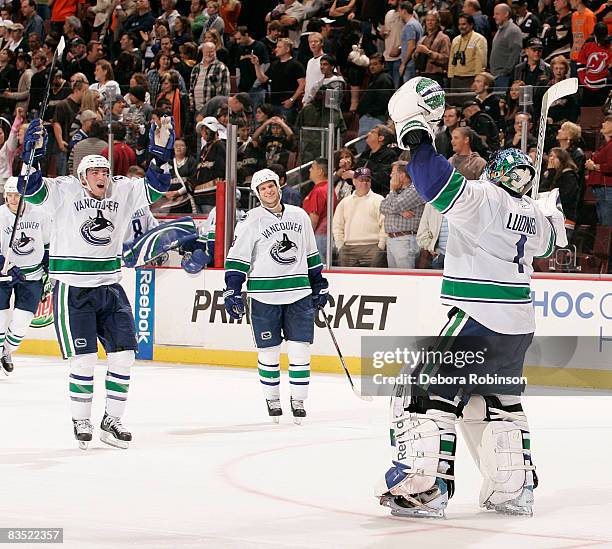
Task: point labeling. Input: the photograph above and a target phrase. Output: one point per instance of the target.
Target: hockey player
(29, 258)
(495, 231)
(90, 215)
(275, 252)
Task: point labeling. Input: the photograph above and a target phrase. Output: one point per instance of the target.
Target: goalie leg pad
(268, 364)
(496, 431)
(299, 368)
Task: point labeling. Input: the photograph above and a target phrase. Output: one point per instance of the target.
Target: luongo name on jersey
(31, 239)
(87, 235)
(493, 239)
(275, 253)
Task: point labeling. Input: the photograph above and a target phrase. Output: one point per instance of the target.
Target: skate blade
(520, 506)
(5, 372)
(109, 439)
(298, 420)
(413, 512)
(275, 419)
(83, 444)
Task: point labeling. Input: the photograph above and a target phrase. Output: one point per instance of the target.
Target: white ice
(208, 469)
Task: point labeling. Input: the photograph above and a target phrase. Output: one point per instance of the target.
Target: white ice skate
(274, 409)
(429, 504)
(298, 411)
(83, 430)
(114, 433)
(520, 505)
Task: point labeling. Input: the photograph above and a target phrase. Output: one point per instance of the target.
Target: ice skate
(520, 505)
(114, 433)
(429, 504)
(83, 430)
(297, 409)
(274, 409)
(7, 363)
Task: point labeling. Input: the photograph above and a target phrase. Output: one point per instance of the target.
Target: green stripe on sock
(269, 373)
(114, 386)
(299, 373)
(74, 388)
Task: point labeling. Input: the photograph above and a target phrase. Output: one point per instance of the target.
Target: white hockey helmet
(10, 186)
(91, 161)
(263, 176)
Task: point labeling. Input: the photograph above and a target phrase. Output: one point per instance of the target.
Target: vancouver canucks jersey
(87, 234)
(31, 239)
(493, 239)
(275, 252)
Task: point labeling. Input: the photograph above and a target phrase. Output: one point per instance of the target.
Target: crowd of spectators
(271, 66)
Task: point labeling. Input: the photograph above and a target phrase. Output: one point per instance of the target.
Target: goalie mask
(93, 161)
(264, 176)
(512, 169)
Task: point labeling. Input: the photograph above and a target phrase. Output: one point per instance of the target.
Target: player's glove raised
(161, 140)
(320, 293)
(233, 304)
(35, 138)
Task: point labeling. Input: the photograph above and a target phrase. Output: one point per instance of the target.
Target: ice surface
(207, 468)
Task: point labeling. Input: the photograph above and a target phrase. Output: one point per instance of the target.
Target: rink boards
(181, 318)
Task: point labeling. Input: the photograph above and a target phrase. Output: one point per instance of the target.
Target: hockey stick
(58, 52)
(554, 93)
(367, 398)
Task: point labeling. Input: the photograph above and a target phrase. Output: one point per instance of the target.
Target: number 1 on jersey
(520, 253)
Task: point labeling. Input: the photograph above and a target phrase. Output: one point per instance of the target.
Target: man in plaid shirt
(209, 78)
(402, 209)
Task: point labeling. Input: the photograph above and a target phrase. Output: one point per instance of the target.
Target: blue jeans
(393, 69)
(321, 240)
(61, 163)
(366, 123)
(604, 204)
(402, 252)
(409, 72)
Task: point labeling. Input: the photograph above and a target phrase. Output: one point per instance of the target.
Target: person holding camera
(468, 55)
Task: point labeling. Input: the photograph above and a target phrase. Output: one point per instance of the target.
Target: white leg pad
(268, 364)
(499, 443)
(299, 368)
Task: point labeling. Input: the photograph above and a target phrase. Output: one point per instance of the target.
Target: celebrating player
(275, 249)
(495, 231)
(28, 258)
(90, 216)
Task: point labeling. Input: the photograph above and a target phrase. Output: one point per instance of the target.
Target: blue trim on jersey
(429, 171)
(34, 183)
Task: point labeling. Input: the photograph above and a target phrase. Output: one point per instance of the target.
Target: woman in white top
(105, 83)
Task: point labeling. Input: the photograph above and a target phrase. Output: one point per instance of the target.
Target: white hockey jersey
(31, 239)
(493, 239)
(87, 235)
(142, 222)
(275, 253)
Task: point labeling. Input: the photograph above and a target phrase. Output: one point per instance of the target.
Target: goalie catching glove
(161, 140)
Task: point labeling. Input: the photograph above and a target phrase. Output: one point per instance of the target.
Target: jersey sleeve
(315, 265)
(239, 256)
(50, 192)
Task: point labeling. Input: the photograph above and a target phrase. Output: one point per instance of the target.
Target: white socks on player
(12, 336)
(82, 384)
(118, 381)
(299, 369)
(268, 364)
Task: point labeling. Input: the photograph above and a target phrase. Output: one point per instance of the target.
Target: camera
(459, 57)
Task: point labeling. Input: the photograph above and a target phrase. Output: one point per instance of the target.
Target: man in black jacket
(379, 156)
(372, 107)
(484, 126)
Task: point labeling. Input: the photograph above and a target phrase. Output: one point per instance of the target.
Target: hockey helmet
(511, 168)
(10, 186)
(91, 161)
(263, 176)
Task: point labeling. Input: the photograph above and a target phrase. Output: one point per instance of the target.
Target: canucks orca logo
(96, 230)
(23, 245)
(281, 252)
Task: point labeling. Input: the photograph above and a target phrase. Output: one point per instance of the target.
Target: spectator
(94, 144)
(170, 90)
(4, 33)
(358, 225)
(513, 136)
(249, 157)
(211, 165)
(179, 192)
(432, 236)
(18, 43)
(557, 32)
(246, 79)
(594, 61)
(342, 11)
(466, 161)
(8, 147)
(290, 14)
(600, 175)
(583, 25)
(506, 48)
(484, 126)
(188, 55)
(87, 65)
(197, 18)
(277, 143)
(289, 194)
(142, 21)
(77, 50)
(127, 42)
(509, 105)
(489, 103)
(566, 108)
(39, 80)
(529, 23)
(481, 21)
(86, 119)
(286, 76)
(33, 21)
(569, 137)
(391, 31)
(379, 155)
(315, 204)
(60, 11)
(351, 36)
(212, 35)
(313, 69)
(262, 113)
(372, 107)
(451, 119)
(137, 117)
(402, 208)
(105, 84)
(169, 13)
(432, 52)
(21, 97)
(182, 31)
(215, 21)
(274, 31)
(604, 15)
(229, 10)
(411, 34)
(331, 79)
(34, 42)
(468, 55)
(343, 176)
(155, 77)
(534, 71)
(123, 155)
(209, 78)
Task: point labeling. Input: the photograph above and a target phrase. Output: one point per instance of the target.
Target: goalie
(495, 231)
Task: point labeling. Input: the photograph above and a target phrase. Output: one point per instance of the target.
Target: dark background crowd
(282, 70)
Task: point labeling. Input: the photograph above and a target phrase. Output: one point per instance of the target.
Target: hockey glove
(549, 204)
(320, 293)
(161, 140)
(14, 275)
(35, 138)
(233, 304)
(194, 262)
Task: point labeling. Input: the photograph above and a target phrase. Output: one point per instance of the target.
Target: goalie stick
(367, 398)
(554, 93)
